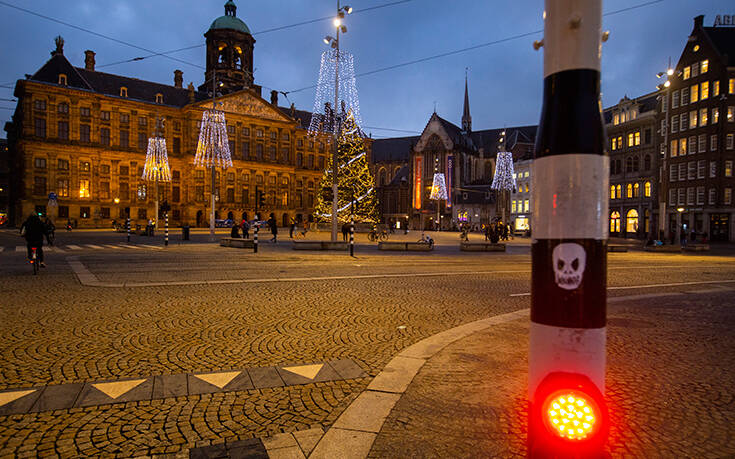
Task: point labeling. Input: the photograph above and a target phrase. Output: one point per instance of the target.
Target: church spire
(466, 118)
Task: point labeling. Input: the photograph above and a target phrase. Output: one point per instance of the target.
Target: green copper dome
(230, 20)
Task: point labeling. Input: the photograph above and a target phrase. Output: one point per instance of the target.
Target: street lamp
(334, 43)
(665, 86)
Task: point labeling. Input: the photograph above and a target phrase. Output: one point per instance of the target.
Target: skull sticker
(569, 262)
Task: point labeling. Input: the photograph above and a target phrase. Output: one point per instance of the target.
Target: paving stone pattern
(670, 387)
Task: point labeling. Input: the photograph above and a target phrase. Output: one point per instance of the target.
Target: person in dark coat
(235, 232)
(274, 227)
(33, 230)
(345, 231)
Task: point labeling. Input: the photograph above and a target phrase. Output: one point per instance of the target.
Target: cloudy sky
(505, 78)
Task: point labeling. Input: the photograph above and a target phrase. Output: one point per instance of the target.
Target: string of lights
(213, 148)
(322, 117)
(504, 178)
(438, 187)
(156, 166)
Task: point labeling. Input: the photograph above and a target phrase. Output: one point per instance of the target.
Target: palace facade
(82, 134)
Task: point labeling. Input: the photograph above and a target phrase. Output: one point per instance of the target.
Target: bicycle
(426, 240)
(464, 235)
(375, 235)
(34, 261)
(300, 234)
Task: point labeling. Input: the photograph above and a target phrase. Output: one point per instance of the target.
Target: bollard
(255, 238)
(128, 225)
(166, 229)
(352, 237)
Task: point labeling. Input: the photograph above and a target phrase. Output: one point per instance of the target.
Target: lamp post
(334, 43)
(666, 88)
(679, 211)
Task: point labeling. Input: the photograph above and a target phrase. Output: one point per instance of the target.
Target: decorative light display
(156, 166)
(438, 187)
(213, 148)
(504, 179)
(355, 179)
(322, 118)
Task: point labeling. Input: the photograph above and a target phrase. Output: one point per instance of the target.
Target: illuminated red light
(571, 415)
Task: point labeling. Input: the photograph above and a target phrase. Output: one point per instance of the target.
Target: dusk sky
(505, 79)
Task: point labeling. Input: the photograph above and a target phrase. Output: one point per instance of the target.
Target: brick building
(83, 134)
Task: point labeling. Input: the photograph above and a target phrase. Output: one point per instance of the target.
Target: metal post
(211, 210)
(569, 250)
(255, 237)
(663, 191)
(128, 225)
(166, 230)
(352, 236)
(155, 212)
(336, 137)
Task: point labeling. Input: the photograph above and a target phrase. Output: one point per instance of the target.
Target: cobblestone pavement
(56, 331)
(670, 386)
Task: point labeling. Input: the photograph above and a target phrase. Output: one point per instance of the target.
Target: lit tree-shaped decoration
(356, 181)
(213, 150)
(156, 166)
(439, 187)
(322, 118)
(504, 179)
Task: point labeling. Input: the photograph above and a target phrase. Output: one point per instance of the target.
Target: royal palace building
(82, 135)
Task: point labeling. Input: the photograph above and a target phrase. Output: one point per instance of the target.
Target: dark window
(63, 107)
(230, 195)
(232, 146)
(311, 162)
(299, 159)
(84, 132)
(105, 169)
(84, 111)
(286, 136)
(39, 104)
(40, 163)
(300, 143)
(63, 211)
(142, 140)
(124, 189)
(245, 195)
(175, 194)
(124, 118)
(177, 145)
(124, 138)
(176, 175)
(636, 164)
(104, 212)
(105, 115)
(647, 136)
(246, 131)
(272, 153)
(39, 185)
(105, 136)
(284, 155)
(104, 190)
(124, 170)
(274, 136)
(40, 125)
(63, 165)
(142, 121)
(199, 193)
(259, 152)
(647, 163)
(84, 166)
(629, 164)
(177, 126)
(63, 132)
(142, 214)
(245, 150)
(84, 212)
(321, 162)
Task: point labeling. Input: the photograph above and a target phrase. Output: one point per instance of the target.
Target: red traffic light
(568, 416)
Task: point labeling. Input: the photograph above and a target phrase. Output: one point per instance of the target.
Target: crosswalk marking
(55, 249)
(92, 246)
(127, 246)
(110, 246)
(20, 248)
(73, 247)
(150, 246)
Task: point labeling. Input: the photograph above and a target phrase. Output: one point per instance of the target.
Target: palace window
(141, 192)
(647, 189)
(62, 79)
(124, 139)
(123, 92)
(84, 112)
(105, 115)
(104, 190)
(84, 166)
(105, 136)
(63, 107)
(63, 130)
(84, 188)
(142, 140)
(629, 190)
(40, 127)
(39, 186)
(84, 212)
(62, 188)
(62, 165)
(159, 98)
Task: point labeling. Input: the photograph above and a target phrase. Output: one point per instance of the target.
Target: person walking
(291, 227)
(274, 227)
(245, 229)
(33, 230)
(345, 231)
(683, 238)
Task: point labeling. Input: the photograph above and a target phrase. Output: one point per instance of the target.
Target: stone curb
(354, 432)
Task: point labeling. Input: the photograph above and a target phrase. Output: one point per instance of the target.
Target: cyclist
(34, 231)
(50, 230)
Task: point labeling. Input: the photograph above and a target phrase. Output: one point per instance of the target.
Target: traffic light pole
(569, 249)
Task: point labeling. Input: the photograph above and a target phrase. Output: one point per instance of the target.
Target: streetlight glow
(670, 72)
(337, 22)
(667, 84)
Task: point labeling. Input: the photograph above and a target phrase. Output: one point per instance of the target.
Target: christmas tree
(355, 181)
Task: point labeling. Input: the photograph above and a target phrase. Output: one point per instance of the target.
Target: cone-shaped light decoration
(213, 148)
(504, 179)
(156, 161)
(439, 187)
(322, 118)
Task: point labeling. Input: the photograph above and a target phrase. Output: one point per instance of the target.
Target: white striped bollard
(255, 238)
(128, 227)
(166, 229)
(570, 176)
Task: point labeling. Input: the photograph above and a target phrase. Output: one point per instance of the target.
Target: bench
(236, 242)
(696, 248)
(319, 245)
(663, 248)
(617, 248)
(405, 246)
(481, 247)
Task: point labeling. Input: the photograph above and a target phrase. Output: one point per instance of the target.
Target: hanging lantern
(504, 179)
(156, 161)
(439, 187)
(213, 148)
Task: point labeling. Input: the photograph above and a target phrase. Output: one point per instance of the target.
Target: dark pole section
(569, 249)
(257, 199)
(128, 225)
(166, 229)
(352, 236)
(255, 237)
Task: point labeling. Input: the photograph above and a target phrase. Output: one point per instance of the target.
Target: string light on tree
(213, 148)
(356, 181)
